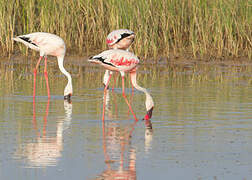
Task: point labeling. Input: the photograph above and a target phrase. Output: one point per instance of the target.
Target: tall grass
(201, 28)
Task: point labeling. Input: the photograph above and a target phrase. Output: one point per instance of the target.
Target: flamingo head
(68, 91)
(148, 116)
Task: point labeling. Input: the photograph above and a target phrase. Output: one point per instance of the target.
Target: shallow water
(202, 123)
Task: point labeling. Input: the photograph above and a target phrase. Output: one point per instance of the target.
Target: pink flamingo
(123, 61)
(47, 44)
(118, 39)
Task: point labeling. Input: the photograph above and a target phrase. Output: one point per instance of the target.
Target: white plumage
(118, 39)
(48, 44)
(122, 37)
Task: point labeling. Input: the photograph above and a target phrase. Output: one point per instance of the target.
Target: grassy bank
(201, 28)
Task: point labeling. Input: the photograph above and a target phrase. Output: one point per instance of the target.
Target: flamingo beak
(149, 114)
(68, 98)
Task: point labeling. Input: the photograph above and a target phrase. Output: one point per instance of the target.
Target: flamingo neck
(68, 89)
(149, 101)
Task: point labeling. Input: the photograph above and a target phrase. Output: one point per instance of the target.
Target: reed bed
(200, 28)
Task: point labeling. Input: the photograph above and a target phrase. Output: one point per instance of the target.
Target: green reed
(199, 28)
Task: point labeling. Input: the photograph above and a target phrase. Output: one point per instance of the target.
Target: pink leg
(34, 78)
(46, 77)
(132, 87)
(115, 77)
(132, 93)
(123, 93)
(104, 98)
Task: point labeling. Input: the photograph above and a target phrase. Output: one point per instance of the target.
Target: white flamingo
(118, 39)
(47, 44)
(123, 61)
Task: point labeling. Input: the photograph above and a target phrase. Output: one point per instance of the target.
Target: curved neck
(149, 101)
(68, 88)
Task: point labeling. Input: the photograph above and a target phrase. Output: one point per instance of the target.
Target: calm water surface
(202, 123)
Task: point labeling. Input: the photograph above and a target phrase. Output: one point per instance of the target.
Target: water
(202, 123)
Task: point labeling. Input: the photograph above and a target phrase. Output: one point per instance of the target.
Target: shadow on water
(201, 122)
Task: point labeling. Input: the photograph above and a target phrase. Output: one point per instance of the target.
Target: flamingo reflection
(119, 154)
(108, 107)
(46, 150)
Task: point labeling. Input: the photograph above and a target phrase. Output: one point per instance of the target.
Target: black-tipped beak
(148, 115)
(68, 98)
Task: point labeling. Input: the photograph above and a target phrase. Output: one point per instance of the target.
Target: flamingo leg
(115, 77)
(104, 97)
(46, 77)
(35, 75)
(132, 87)
(126, 100)
(132, 93)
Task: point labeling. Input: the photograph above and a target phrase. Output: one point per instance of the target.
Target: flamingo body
(45, 43)
(118, 39)
(123, 61)
(48, 44)
(116, 60)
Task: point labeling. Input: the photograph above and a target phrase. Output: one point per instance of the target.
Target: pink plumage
(118, 39)
(123, 61)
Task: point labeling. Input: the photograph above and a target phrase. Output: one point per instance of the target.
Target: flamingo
(118, 39)
(123, 61)
(47, 44)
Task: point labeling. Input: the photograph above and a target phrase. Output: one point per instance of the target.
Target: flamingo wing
(46, 43)
(102, 58)
(28, 41)
(120, 59)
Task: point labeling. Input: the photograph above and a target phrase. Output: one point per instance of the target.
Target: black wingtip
(27, 39)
